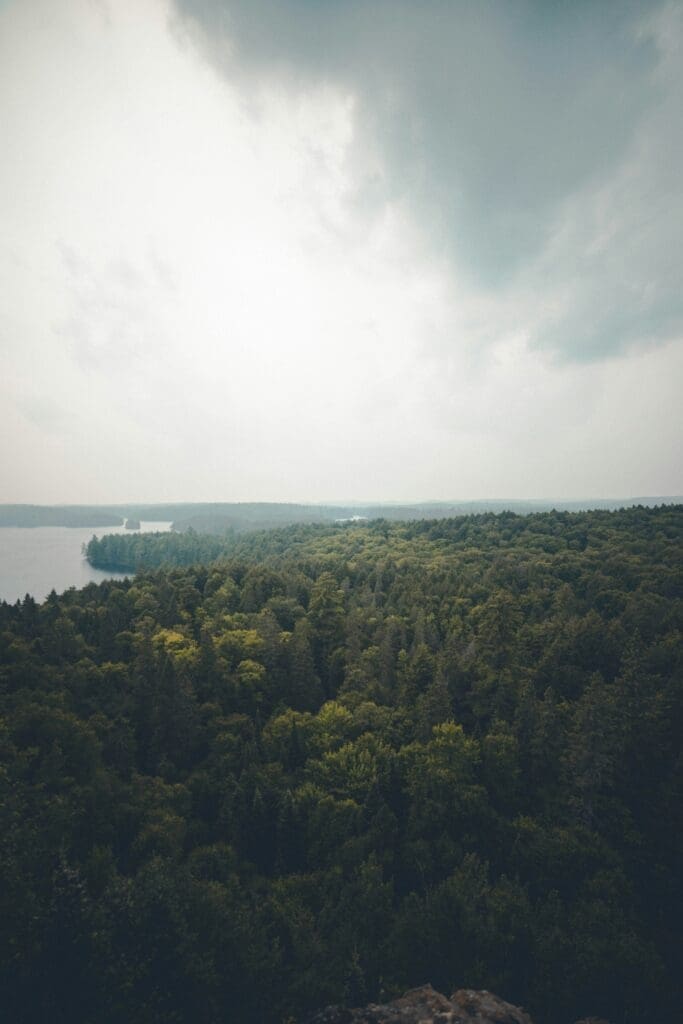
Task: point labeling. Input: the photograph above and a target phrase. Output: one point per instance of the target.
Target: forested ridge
(340, 761)
(239, 516)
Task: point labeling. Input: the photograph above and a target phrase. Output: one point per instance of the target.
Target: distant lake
(39, 559)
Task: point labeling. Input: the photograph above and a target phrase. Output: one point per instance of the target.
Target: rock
(474, 1007)
(426, 1006)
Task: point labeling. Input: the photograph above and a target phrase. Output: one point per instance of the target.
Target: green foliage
(333, 762)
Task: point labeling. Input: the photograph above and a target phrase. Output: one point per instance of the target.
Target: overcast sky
(335, 249)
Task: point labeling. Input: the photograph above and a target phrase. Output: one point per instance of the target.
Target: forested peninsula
(322, 764)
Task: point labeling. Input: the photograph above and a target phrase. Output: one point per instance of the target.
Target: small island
(132, 524)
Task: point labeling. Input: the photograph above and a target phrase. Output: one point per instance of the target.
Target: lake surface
(39, 559)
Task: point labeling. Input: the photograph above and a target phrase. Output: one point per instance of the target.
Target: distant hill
(58, 515)
(219, 517)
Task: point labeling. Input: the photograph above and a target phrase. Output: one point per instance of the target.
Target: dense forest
(334, 762)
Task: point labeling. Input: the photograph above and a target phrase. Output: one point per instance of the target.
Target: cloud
(534, 143)
(106, 326)
(613, 263)
(370, 258)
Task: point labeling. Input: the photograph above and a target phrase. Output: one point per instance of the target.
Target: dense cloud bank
(536, 143)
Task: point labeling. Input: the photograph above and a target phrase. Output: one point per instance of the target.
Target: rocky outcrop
(472, 1007)
(426, 1006)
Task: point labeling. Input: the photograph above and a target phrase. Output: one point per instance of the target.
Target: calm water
(44, 558)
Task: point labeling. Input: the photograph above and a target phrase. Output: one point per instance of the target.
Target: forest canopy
(325, 763)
